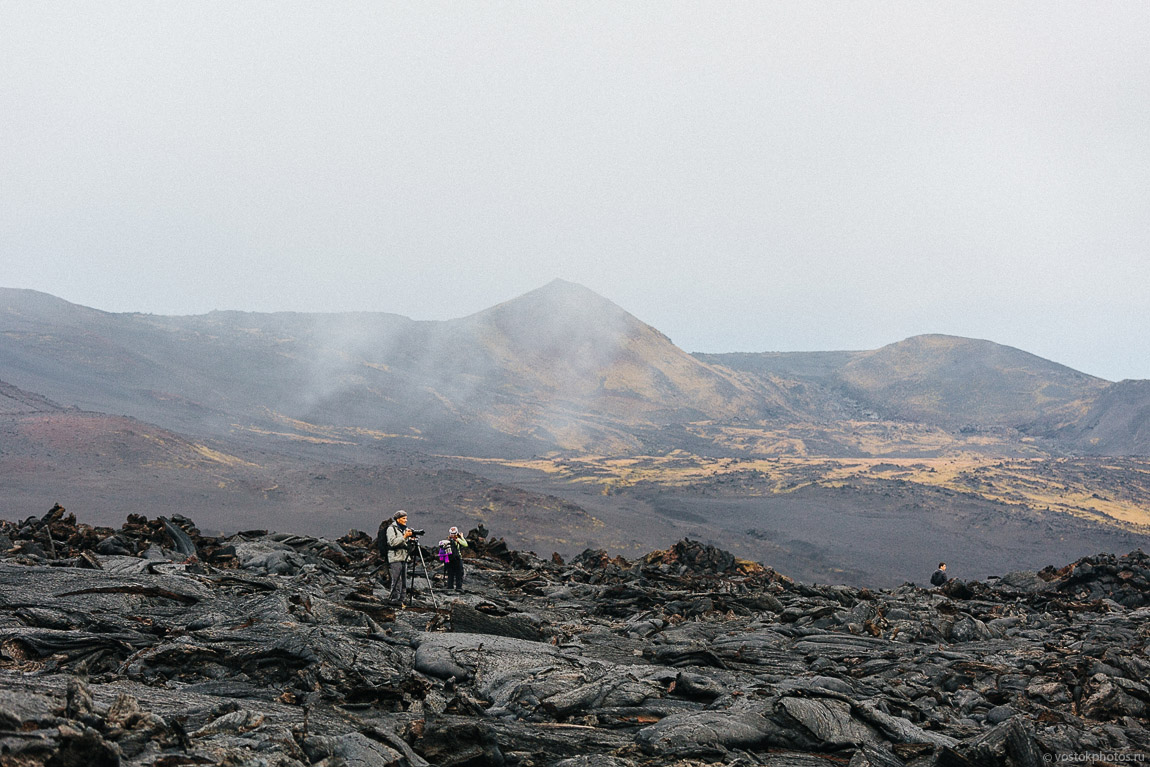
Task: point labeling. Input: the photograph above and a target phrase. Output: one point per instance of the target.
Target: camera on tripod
(416, 533)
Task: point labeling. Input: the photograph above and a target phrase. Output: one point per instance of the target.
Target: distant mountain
(938, 379)
(961, 381)
(34, 429)
(1117, 422)
(560, 368)
(571, 367)
(215, 373)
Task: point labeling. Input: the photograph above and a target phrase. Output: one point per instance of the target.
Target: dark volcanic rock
(155, 645)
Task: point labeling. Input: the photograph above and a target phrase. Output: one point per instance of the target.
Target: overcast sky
(743, 176)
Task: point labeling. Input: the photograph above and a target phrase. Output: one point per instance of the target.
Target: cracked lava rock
(156, 645)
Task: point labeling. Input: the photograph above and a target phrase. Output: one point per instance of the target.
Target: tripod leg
(430, 590)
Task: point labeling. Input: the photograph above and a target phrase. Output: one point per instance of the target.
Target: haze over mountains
(239, 400)
(559, 368)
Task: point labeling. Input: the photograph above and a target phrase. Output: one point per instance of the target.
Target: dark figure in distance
(940, 577)
(397, 556)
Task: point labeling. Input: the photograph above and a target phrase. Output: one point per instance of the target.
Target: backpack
(444, 552)
(381, 541)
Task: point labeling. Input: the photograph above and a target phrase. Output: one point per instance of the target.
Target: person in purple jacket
(456, 543)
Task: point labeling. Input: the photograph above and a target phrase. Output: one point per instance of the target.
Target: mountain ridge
(559, 367)
(944, 380)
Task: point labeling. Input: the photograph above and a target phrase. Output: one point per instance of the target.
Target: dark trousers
(398, 572)
(455, 573)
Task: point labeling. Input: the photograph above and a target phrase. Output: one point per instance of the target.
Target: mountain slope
(15, 401)
(558, 367)
(1116, 423)
(112, 465)
(936, 379)
(959, 381)
(571, 364)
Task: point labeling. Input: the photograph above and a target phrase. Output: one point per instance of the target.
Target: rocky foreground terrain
(156, 645)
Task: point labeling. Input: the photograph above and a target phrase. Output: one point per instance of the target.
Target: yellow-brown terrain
(1105, 490)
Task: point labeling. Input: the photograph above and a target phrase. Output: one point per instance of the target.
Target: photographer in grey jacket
(398, 556)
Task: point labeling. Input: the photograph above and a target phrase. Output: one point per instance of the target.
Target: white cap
(453, 530)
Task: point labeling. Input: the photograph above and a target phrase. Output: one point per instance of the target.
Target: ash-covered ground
(156, 645)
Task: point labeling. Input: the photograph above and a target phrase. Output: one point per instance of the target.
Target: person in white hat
(456, 543)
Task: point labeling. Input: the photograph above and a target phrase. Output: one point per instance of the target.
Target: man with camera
(398, 555)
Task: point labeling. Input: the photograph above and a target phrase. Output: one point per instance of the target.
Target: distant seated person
(940, 577)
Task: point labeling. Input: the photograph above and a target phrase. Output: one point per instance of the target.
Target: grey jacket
(396, 544)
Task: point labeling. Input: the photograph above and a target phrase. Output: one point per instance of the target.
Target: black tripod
(426, 576)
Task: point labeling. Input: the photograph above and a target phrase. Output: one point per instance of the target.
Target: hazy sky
(743, 176)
